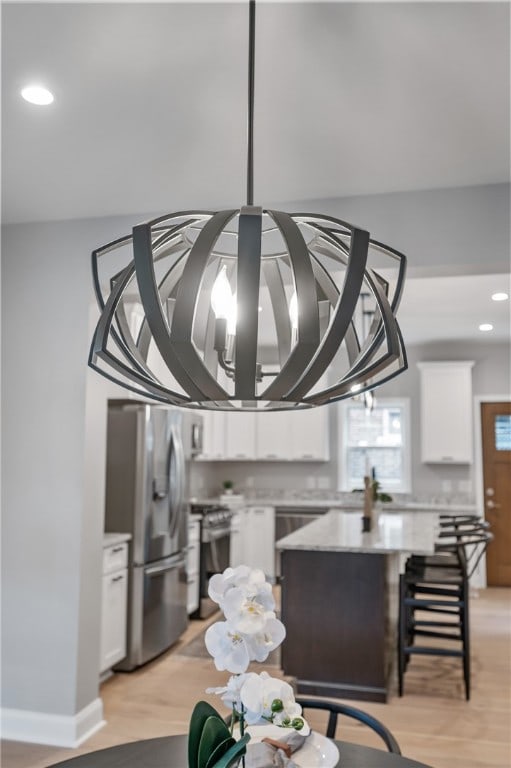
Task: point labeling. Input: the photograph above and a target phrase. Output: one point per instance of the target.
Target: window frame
(406, 458)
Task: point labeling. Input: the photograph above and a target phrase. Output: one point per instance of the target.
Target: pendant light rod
(250, 116)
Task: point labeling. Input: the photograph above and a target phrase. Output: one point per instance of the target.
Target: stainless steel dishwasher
(289, 519)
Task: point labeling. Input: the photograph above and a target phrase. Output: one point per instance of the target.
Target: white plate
(317, 750)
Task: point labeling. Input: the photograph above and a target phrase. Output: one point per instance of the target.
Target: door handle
(169, 566)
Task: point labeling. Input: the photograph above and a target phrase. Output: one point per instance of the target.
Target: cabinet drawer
(115, 557)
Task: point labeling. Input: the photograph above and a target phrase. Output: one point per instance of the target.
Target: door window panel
(503, 432)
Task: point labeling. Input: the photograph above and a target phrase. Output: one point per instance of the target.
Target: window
(503, 432)
(376, 439)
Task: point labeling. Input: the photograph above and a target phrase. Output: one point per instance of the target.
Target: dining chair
(336, 708)
(437, 586)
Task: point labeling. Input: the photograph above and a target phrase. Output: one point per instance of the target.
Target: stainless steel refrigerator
(148, 454)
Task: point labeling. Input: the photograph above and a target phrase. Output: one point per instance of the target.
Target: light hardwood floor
(432, 722)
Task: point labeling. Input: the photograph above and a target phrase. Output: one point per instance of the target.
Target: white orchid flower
(260, 644)
(228, 647)
(231, 693)
(219, 583)
(245, 611)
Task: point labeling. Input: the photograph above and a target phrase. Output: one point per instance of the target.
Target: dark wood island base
(339, 623)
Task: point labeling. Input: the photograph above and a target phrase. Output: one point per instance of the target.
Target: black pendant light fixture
(247, 308)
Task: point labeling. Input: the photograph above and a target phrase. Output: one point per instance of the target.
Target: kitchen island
(340, 600)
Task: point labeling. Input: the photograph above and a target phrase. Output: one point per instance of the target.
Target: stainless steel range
(215, 550)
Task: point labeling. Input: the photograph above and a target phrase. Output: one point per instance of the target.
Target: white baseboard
(55, 730)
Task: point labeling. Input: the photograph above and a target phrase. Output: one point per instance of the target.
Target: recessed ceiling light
(500, 296)
(486, 327)
(36, 94)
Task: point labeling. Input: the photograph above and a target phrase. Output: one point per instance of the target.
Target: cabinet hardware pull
(117, 578)
(116, 549)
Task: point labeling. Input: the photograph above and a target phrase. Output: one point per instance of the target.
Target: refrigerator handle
(179, 458)
(168, 566)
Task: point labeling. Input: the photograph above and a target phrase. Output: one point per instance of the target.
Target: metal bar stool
(438, 586)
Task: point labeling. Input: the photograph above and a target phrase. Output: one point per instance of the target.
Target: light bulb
(486, 327)
(232, 314)
(500, 296)
(223, 302)
(293, 311)
(221, 295)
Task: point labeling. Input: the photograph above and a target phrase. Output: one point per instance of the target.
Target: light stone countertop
(111, 539)
(327, 504)
(393, 532)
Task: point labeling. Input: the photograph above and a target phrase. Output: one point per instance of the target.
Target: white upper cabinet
(240, 436)
(214, 435)
(309, 434)
(273, 436)
(446, 412)
(278, 436)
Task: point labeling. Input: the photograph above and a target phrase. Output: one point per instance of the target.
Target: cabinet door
(213, 436)
(260, 539)
(238, 535)
(309, 434)
(113, 619)
(240, 436)
(273, 436)
(446, 412)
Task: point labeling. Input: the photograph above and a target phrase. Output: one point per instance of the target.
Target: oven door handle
(210, 535)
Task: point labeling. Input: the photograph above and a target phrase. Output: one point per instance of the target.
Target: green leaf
(214, 734)
(220, 751)
(234, 754)
(202, 711)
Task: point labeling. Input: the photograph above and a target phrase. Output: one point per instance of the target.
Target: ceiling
(351, 98)
(150, 103)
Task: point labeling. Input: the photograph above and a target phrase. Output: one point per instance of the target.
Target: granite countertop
(393, 532)
(332, 503)
(110, 539)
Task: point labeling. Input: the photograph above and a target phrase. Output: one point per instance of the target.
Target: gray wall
(54, 421)
(443, 232)
(52, 500)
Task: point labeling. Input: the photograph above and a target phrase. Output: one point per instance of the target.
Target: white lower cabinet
(237, 542)
(259, 539)
(192, 565)
(114, 603)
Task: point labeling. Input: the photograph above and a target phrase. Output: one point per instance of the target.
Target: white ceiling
(351, 98)
(150, 102)
(452, 308)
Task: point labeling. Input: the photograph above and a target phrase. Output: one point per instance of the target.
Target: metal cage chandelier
(247, 308)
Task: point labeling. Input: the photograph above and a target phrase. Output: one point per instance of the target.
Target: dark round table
(171, 752)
